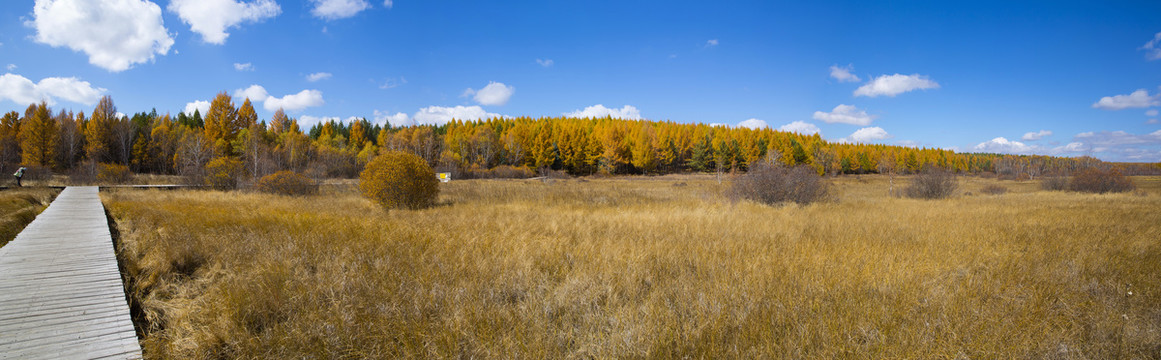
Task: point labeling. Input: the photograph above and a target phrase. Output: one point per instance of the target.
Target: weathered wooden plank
(61, 293)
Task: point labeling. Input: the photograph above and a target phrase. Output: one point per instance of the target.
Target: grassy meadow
(646, 267)
(19, 206)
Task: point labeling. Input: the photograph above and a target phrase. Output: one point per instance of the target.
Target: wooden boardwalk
(61, 295)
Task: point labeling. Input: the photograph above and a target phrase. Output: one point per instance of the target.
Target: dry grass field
(19, 206)
(654, 267)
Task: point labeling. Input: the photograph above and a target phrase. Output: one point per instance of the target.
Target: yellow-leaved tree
(38, 138)
(98, 129)
(222, 122)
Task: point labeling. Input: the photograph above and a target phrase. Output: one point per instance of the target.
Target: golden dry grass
(652, 267)
(19, 206)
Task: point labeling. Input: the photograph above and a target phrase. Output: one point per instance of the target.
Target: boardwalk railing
(61, 295)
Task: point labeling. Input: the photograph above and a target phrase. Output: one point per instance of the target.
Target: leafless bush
(502, 172)
(770, 183)
(933, 184)
(36, 173)
(1054, 183)
(1100, 180)
(994, 189)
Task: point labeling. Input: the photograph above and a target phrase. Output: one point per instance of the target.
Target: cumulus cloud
(711, 43)
(800, 127)
(493, 94)
(23, 91)
(318, 76)
(439, 115)
(295, 102)
(891, 85)
(544, 62)
(843, 74)
(244, 67)
(1137, 99)
(211, 18)
(11, 67)
(254, 93)
(753, 124)
(201, 106)
(1036, 135)
(1003, 145)
(115, 34)
(867, 134)
(628, 112)
(1153, 48)
(338, 9)
(845, 114)
(398, 119)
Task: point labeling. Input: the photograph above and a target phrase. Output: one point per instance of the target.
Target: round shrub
(287, 183)
(222, 173)
(933, 184)
(770, 183)
(113, 173)
(398, 179)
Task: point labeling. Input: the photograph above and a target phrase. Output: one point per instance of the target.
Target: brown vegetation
(640, 268)
(18, 207)
(399, 180)
(770, 183)
(932, 184)
(1100, 180)
(287, 183)
(994, 189)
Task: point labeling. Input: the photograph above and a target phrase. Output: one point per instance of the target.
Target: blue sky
(1059, 78)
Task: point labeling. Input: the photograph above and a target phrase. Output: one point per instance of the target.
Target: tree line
(186, 144)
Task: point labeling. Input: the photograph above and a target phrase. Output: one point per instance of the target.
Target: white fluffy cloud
(1003, 145)
(891, 85)
(201, 106)
(115, 34)
(628, 112)
(338, 9)
(254, 93)
(397, 119)
(711, 43)
(800, 127)
(439, 115)
(867, 134)
(295, 102)
(211, 18)
(753, 124)
(544, 62)
(1137, 99)
(318, 76)
(1153, 48)
(845, 114)
(1036, 135)
(843, 74)
(244, 67)
(493, 94)
(11, 67)
(23, 91)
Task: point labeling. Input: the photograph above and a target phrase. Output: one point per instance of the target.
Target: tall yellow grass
(653, 267)
(19, 206)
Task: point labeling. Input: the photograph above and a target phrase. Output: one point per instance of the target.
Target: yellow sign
(444, 177)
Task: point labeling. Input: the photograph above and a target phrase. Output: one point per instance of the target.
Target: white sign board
(444, 177)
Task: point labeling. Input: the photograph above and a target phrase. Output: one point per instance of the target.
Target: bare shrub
(770, 183)
(36, 173)
(287, 183)
(994, 189)
(933, 184)
(113, 173)
(502, 172)
(399, 179)
(1100, 180)
(1054, 183)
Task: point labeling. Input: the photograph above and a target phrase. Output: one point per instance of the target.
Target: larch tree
(221, 122)
(358, 135)
(10, 138)
(38, 138)
(98, 130)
